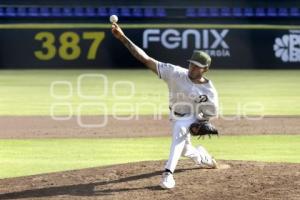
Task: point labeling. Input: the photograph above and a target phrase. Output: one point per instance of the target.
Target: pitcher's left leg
(179, 131)
(178, 142)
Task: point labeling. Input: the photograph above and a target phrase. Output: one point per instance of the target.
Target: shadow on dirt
(87, 189)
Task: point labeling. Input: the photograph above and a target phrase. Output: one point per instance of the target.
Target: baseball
(113, 18)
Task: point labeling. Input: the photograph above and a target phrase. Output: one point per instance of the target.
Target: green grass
(248, 92)
(27, 157)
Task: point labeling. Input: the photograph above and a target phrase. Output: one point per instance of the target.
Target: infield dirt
(142, 126)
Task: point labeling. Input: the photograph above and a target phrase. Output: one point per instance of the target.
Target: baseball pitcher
(193, 101)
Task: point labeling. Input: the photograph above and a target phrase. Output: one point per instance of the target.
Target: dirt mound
(233, 180)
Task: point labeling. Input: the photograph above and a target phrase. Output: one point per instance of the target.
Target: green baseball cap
(200, 58)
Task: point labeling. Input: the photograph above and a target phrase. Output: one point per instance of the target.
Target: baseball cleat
(206, 159)
(214, 164)
(167, 181)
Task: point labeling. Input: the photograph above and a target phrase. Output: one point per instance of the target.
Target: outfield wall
(67, 46)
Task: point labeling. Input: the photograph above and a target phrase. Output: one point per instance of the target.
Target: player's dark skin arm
(137, 52)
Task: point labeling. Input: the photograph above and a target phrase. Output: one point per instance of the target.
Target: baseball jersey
(186, 97)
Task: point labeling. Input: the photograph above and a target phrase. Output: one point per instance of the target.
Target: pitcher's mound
(232, 180)
(223, 166)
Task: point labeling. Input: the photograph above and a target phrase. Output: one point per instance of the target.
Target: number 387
(69, 48)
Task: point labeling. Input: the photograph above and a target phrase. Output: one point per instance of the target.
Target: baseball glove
(202, 128)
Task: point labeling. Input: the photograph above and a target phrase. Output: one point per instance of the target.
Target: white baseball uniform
(188, 102)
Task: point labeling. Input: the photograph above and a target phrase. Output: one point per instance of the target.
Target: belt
(178, 114)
